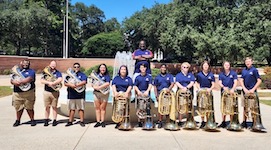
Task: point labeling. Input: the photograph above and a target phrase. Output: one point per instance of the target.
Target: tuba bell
(49, 76)
(251, 103)
(96, 80)
(229, 106)
(120, 114)
(206, 108)
(16, 74)
(185, 106)
(167, 106)
(72, 78)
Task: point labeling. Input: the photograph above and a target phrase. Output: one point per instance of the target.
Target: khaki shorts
(21, 100)
(50, 98)
(74, 104)
(100, 96)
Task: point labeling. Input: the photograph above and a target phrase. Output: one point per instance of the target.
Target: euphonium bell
(148, 124)
(125, 124)
(256, 116)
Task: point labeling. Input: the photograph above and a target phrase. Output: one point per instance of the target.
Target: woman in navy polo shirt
(185, 81)
(227, 81)
(122, 83)
(101, 99)
(205, 80)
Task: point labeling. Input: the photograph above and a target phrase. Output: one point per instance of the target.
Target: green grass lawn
(266, 102)
(5, 91)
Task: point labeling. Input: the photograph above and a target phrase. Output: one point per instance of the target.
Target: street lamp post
(67, 29)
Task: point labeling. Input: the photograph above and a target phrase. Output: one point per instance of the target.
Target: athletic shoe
(46, 122)
(244, 124)
(160, 125)
(33, 123)
(222, 125)
(54, 123)
(97, 125)
(103, 124)
(82, 124)
(68, 124)
(202, 124)
(16, 124)
(117, 125)
(139, 124)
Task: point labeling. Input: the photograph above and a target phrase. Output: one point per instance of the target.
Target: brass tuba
(229, 106)
(96, 80)
(185, 106)
(206, 108)
(72, 78)
(17, 75)
(49, 76)
(167, 106)
(121, 110)
(251, 103)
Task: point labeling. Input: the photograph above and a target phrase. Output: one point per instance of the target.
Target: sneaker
(54, 123)
(202, 125)
(68, 124)
(16, 124)
(117, 125)
(222, 125)
(180, 124)
(46, 122)
(97, 124)
(160, 125)
(244, 124)
(82, 124)
(140, 124)
(133, 101)
(103, 124)
(33, 123)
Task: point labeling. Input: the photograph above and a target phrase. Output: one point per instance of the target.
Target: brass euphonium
(96, 80)
(71, 77)
(148, 124)
(167, 106)
(49, 76)
(185, 106)
(206, 108)
(251, 103)
(121, 110)
(229, 106)
(16, 74)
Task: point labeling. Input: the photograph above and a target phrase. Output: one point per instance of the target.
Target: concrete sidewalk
(77, 137)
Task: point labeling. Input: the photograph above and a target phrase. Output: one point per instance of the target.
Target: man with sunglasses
(50, 96)
(76, 100)
(24, 99)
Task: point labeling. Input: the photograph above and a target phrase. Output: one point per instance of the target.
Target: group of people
(141, 82)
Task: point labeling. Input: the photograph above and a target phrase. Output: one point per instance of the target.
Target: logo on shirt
(251, 73)
(209, 77)
(231, 76)
(146, 53)
(189, 76)
(167, 78)
(79, 77)
(126, 80)
(102, 78)
(147, 79)
(27, 73)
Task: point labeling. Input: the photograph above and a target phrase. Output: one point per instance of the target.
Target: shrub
(110, 70)
(267, 70)
(155, 72)
(6, 72)
(266, 81)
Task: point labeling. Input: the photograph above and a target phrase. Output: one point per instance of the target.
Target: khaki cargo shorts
(50, 98)
(21, 100)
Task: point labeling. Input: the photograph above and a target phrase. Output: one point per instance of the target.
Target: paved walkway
(25, 137)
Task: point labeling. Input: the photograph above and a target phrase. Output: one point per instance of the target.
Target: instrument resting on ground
(96, 80)
(72, 78)
(49, 76)
(16, 74)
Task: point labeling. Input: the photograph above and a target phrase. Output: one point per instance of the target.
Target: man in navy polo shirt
(143, 85)
(250, 81)
(76, 100)
(22, 99)
(227, 81)
(162, 81)
(142, 56)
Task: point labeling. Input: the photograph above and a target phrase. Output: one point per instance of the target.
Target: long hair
(224, 64)
(205, 61)
(126, 70)
(98, 69)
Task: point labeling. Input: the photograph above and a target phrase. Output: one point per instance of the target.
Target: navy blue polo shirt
(27, 73)
(250, 76)
(140, 52)
(105, 78)
(228, 80)
(142, 82)
(163, 81)
(122, 84)
(184, 80)
(56, 74)
(205, 81)
(72, 94)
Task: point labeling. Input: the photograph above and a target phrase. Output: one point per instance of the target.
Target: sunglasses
(76, 66)
(185, 67)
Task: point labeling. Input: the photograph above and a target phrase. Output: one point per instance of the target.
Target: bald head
(53, 64)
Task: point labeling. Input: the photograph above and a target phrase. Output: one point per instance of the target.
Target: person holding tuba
(23, 97)
(250, 80)
(184, 82)
(162, 81)
(142, 85)
(100, 99)
(228, 82)
(51, 94)
(76, 100)
(205, 80)
(122, 85)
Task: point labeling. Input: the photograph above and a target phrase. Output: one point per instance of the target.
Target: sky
(120, 8)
